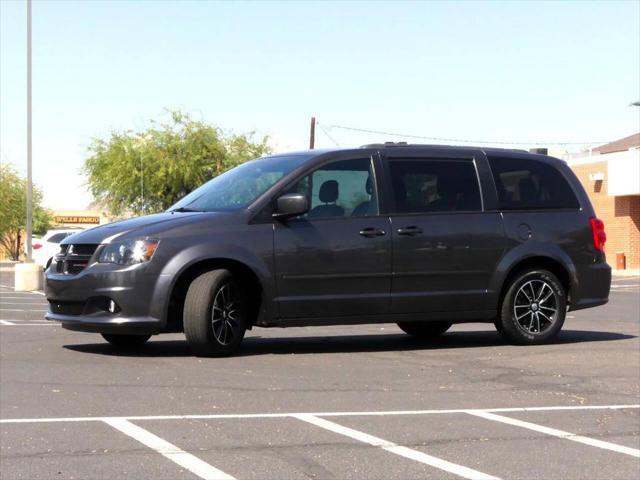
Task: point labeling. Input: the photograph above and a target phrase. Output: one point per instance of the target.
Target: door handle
(412, 230)
(372, 232)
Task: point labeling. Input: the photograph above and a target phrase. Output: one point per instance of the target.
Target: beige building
(611, 176)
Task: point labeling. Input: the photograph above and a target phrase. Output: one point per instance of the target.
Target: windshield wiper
(184, 209)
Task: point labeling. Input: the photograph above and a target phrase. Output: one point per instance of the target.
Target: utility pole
(28, 275)
(29, 139)
(312, 133)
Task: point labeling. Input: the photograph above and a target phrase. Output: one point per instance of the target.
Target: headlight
(129, 252)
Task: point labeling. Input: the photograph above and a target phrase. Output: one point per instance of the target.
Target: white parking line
(187, 461)
(6, 288)
(22, 310)
(558, 433)
(319, 414)
(416, 455)
(3, 303)
(6, 323)
(22, 296)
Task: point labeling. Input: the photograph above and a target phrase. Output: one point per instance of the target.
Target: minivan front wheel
(533, 309)
(215, 314)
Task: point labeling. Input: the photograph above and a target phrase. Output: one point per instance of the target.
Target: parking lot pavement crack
(168, 450)
(462, 471)
(558, 433)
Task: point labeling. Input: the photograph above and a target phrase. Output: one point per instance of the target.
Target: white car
(46, 247)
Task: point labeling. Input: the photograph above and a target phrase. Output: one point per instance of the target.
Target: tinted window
(527, 184)
(57, 237)
(340, 189)
(421, 186)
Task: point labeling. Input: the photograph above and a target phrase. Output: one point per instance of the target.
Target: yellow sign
(77, 219)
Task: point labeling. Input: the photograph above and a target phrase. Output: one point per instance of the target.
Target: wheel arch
(562, 271)
(178, 291)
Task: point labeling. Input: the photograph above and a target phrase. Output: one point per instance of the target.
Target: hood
(139, 226)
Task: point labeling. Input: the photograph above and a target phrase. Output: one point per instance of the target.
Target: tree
(13, 211)
(147, 171)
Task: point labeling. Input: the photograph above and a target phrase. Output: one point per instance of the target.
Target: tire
(126, 341)
(540, 301)
(215, 314)
(424, 329)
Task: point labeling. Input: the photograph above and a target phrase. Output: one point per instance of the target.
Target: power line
(327, 134)
(458, 140)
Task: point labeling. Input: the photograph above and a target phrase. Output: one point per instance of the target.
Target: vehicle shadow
(257, 345)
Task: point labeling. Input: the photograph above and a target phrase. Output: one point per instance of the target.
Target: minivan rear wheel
(215, 314)
(533, 309)
(126, 341)
(424, 329)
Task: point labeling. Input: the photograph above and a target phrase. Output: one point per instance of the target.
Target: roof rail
(385, 144)
(466, 147)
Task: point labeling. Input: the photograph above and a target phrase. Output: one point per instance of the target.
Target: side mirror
(291, 205)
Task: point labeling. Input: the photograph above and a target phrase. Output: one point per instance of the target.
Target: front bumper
(102, 324)
(81, 302)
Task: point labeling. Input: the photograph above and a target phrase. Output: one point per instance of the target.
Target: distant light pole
(29, 140)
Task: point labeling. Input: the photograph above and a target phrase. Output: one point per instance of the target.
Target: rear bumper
(593, 286)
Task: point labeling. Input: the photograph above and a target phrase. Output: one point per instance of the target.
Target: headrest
(369, 185)
(447, 187)
(329, 191)
(526, 189)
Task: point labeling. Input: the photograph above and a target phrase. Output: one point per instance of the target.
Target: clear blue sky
(509, 71)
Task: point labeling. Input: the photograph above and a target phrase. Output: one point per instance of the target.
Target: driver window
(345, 188)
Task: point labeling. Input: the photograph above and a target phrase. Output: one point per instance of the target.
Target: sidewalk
(630, 272)
(7, 265)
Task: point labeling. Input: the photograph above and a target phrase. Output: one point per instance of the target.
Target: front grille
(72, 259)
(66, 308)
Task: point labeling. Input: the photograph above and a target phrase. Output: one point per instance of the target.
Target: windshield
(239, 187)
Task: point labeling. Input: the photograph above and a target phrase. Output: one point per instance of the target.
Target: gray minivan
(422, 236)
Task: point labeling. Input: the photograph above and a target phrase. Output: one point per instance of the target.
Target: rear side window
(527, 184)
(424, 186)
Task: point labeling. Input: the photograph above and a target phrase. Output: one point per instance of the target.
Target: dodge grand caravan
(423, 236)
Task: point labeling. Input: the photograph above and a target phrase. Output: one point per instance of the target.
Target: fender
(262, 267)
(523, 252)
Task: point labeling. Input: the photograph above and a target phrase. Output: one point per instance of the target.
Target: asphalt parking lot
(327, 402)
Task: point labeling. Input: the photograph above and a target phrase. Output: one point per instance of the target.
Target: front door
(336, 259)
(445, 246)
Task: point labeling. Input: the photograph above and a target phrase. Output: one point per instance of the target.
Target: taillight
(37, 246)
(599, 235)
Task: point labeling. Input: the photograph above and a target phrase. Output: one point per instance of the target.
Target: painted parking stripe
(558, 433)
(5, 323)
(187, 461)
(22, 309)
(21, 295)
(320, 414)
(21, 304)
(409, 453)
